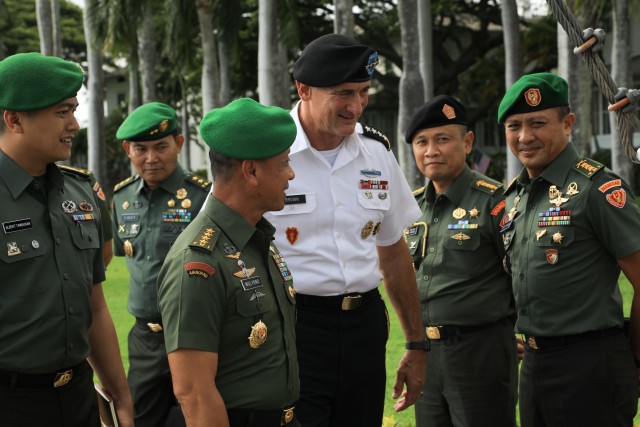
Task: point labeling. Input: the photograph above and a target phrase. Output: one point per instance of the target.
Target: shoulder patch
(77, 172)
(587, 167)
(499, 207)
(377, 135)
(419, 191)
(486, 186)
(511, 185)
(197, 181)
(119, 186)
(204, 240)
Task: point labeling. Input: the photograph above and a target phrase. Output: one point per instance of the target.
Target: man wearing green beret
(570, 226)
(225, 292)
(342, 232)
(56, 327)
(150, 210)
(457, 251)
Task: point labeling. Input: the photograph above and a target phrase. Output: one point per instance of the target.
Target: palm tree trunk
(343, 17)
(43, 13)
(56, 32)
(147, 52)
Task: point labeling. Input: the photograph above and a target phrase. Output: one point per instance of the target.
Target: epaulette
(197, 181)
(377, 135)
(77, 172)
(510, 186)
(486, 185)
(119, 186)
(204, 239)
(587, 167)
(419, 191)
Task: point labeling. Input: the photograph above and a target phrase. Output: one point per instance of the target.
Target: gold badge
(572, 190)
(292, 291)
(122, 228)
(552, 256)
(533, 97)
(181, 193)
(186, 203)
(125, 205)
(376, 228)
(448, 111)
(557, 237)
(13, 249)
(244, 272)
(460, 236)
(368, 195)
(171, 203)
(473, 213)
(128, 248)
(459, 213)
(512, 213)
(258, 334)
(553, 192)
(366, 230)
(163, 125)
(233, 256)
(540, 233)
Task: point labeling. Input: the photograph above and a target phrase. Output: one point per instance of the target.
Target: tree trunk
(425, 31)
(147, 52)
(45, 30)
(513, 66)
(134, 80)
(343, 21)
(56, 33)
(581, 93)
(410, 90)
(225, 72)
(210, 70)
(267, 51)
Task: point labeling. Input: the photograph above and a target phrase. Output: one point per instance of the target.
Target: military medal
(125, 205)
(171, 203)
(229, 249)
(35, 244)
(368, 195)
(540, 233)
(557, 237)
(258, 334)
(292, 292)
(181, 193)
(128, 248)
(366, 230)
(186, 203)
(572, 190)
(244, 271)
(473, 213)
(555, 196)
(256, 295)
(459, 213)
(68, 206)
(85, 206)
(134, 229)
(122, 228)
(382, 196)
(137, 204)
(460, 236)
(13, 249)
(552, 256)
(376, 228)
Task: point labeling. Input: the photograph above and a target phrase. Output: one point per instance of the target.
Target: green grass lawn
(116, 289)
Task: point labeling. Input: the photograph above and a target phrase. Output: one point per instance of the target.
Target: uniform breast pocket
(459, 246)
(552, 244)
(416, 237)
(374, 200)
(299, 224)
(86, 240)
(22, 267)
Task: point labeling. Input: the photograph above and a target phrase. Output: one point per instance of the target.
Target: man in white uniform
(341, 231)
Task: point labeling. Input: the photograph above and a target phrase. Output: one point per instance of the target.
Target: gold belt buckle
(155, 327)
(351, 302)
(532, 343)
(63, 378)
(287, 416)
(433, 332)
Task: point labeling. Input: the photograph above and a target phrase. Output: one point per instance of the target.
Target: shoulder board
(511, 185)
(377, 135)
(119, 186)
(419, 191)
(587, 167)
(197, 181)
(77, 172)
(486, 185)
(204, 239)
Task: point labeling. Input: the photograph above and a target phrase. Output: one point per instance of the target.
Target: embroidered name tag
(295, 199)
(17, 225)
(251, 283)
(130, 217)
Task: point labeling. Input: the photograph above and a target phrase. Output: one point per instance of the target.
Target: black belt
(249, 418)
(154, 325)
(53, 380)
(441, 332)
(543, 343)
(336, 303)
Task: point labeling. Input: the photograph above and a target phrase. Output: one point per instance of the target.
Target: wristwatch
(424, 345)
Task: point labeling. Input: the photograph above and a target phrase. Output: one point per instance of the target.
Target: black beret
(439, 111)
(333, 59)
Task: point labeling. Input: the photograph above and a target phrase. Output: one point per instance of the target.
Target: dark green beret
(534, 92)
(31, 81)
(148, 122)
(439, 111)
(333, 59)
(247, 130)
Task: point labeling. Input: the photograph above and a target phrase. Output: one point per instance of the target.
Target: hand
(411, 372)
(520, 347)
(124, 414)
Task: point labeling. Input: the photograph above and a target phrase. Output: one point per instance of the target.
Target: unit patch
(200, 269)
(608, 185)
(617, 198)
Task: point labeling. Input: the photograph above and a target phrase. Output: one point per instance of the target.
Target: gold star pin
(473, 213)
(557, 237)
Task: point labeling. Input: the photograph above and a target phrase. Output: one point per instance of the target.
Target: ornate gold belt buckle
(63, 378)
(433, 332)
(287, 416)
(155, 327)
(532, 343)
(351, 302)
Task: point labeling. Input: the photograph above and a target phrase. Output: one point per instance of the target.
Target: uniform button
(432, 250)
(259, 305)
(521, 275)
(24, 248)
(71, 310)
(58, 240)
(425, 278)
(422, 306)
(459, 242)
(148, 257)
(435, 219)
(525, 240)
(66, 276)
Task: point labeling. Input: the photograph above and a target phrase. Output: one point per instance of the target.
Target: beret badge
(448, 111)
(533, 97)
(163, 125)
(372, 63)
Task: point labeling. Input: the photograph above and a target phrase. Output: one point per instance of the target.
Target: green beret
(534, 92)
(245, 129)
(31, 81)
(148, 122)
(440, 111)
(333, 59)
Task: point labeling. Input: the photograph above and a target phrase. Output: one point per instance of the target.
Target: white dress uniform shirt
(335, 216)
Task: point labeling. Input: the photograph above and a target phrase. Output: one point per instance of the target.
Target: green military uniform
(146, 224)
(467, 304)
(225, 288)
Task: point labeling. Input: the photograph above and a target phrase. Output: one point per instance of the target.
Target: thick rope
(628, 121)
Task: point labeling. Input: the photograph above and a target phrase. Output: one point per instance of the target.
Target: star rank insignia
(202, 240)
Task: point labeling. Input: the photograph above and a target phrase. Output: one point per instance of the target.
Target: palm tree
(56, 31)
(147, 51)
(425, 31)
(343, 17)
(45, 26)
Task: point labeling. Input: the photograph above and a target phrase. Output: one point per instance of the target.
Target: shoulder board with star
(587, 167)
(77, 172)
(204, 240)
(511, 186)
(486, 185)
(197, 181)
(419, 191)
(119, 186)
(377, 135)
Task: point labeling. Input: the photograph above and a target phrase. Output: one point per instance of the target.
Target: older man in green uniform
(465, 293)
(150, 210)
(53, 316)
(225, 292)
(570, 226)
